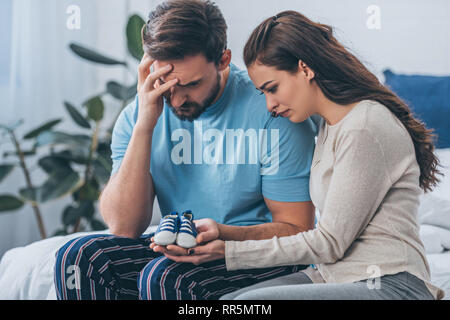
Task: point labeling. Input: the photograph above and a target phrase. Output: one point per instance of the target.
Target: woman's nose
(272, 104)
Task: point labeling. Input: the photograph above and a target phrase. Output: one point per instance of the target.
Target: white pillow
(434, 211)
(435, 239)
(443, 189)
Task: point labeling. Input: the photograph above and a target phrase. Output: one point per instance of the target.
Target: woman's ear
(307, 71)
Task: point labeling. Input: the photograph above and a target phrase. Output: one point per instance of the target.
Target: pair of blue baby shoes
(176, 228)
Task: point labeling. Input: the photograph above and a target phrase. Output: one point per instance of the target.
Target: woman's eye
(272, 90)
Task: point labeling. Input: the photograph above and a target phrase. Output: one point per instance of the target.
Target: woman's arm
(288, 218)
(359, 183)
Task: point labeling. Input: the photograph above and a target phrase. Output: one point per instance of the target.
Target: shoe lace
(167, 224)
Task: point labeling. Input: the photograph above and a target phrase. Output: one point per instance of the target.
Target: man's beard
(195, 109)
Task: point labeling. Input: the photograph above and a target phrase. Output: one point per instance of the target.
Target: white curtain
(42, 74)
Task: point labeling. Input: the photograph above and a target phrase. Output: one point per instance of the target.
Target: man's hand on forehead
(150, 92)
(183, 82)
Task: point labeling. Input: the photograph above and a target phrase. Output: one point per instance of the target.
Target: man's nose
(177, 99)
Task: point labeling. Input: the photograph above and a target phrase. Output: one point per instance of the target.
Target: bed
(27, 272)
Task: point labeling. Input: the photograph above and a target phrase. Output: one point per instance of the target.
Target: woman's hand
(211, 251)
(209, 246)
(150, 93)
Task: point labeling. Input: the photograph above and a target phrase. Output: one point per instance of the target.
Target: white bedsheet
(26, 273)
(440, 271)
(443, 190)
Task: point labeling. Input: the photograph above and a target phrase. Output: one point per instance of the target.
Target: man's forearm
(126, 203)
(258, 232)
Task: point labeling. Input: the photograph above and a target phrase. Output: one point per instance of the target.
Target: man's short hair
(181, 28)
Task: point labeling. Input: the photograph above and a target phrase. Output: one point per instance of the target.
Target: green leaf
(70, 215)
(31, 194)
(97, 225)
(95, 108)
(43, 128)
(54, 162)
(102, 170)
(13, 126)
(76, 155)
(76, 116)
(134, 37)
(104, 149)
(59, 183)
(52, 137)
(93, 56)
(87, 209)
(56, 137)
(88, 192)
(84, 210)
(105, 162)
(9, 203)
(80, 155)
(121, 92)
(5, 170)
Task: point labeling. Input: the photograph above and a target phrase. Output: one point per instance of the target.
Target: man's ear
(225, 60)
(307, 71)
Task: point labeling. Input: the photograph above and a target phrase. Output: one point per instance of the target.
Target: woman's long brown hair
(283, 40)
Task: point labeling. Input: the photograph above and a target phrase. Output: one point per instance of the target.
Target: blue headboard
(429, 99)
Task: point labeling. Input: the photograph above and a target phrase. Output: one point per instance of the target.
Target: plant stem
(76, 225)
(87, 172)
(26, 172)
(94, 145)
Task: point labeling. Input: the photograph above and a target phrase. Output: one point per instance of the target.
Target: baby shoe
(187, 231)
(166, 233)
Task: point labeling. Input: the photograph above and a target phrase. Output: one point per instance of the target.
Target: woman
(372, 157)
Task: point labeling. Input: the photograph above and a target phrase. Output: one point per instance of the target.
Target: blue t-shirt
(221, 165)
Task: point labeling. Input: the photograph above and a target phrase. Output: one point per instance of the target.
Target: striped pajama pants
(109, 267)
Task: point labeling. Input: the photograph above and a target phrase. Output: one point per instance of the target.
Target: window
(5, 40)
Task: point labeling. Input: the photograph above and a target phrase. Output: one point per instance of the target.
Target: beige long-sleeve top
(365, 183)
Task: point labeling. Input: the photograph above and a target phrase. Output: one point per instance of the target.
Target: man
(198, 137)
